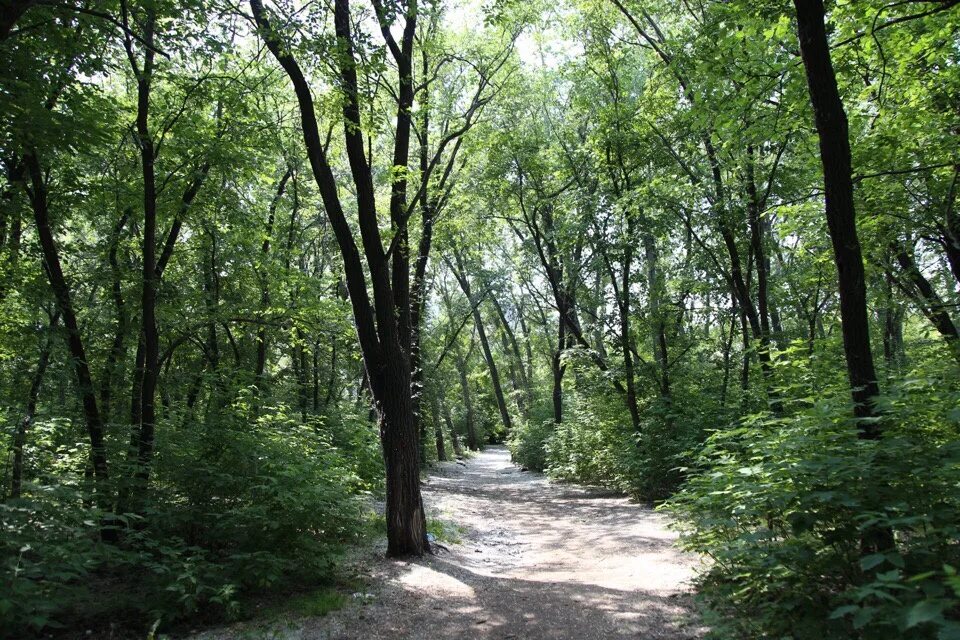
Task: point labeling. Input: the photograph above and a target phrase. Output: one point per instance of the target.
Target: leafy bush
(596, 444)
(780, 506)
(590, 447)
(527, 443)
(252, 504)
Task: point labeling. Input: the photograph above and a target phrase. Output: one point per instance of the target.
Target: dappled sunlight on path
(534, 560)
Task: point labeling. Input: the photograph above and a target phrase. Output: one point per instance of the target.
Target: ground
(532, 560)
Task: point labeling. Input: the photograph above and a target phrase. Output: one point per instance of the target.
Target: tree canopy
(262, 262)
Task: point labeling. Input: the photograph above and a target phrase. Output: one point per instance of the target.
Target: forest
(265, 263)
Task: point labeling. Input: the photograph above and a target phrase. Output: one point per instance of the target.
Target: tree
(833, 133)
(383, 328)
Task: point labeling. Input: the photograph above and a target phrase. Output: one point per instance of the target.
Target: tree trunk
(438, 427)
(419, 286)
(461, 275)
(469, 418)
(950, 232)
(20, 437)
(117, 350)
(892, 316)
(558, 369)
(383, 327)
(727, 348)
(621, 291)
(261, 361)
(151, 340)
(659, 325)
(927, 298)
(401, 452)
(448, 419)
(78, 357)
(831, 122)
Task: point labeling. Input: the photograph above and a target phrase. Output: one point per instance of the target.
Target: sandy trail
(535, 560)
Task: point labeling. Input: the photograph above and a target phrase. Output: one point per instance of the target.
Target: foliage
(259, 505)
(780, 504)
(528, 444)
(612, 219)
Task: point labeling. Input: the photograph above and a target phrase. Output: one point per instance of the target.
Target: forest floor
(527, 559)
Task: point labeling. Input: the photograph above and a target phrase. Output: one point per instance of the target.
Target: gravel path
(535, 560)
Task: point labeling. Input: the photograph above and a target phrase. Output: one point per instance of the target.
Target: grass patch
(316, 604)
(444, 530)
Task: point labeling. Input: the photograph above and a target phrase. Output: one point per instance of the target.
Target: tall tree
(834, 136)
(382, 325)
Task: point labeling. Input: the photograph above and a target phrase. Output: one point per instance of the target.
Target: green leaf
(924, 611)
(840, 612)
(871, 561)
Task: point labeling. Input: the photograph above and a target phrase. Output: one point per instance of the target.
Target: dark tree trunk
(831, 121)
(513, 345)
(401, 453)
(745, 369)
(950, 233)
(527, 347)
(383, 328)
(136, 396)
(418, 289)
(621, 291)
(727, 348)
(470, 421)
(148, 317)
(448, 419)
(332, 380)
(927, 298)
(20, 437)
(558, 368)
(438, 428)
(658, 322)
(78, 357)
(303, 375)
(759, 251)
(261, 361)
(892, 317)
(461, 274)
(739, 281)
(117, 350)
(10, 12)
(315, 396)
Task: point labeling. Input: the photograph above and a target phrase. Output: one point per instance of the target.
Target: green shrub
(252, 504)
(780, 505)
(527, 443)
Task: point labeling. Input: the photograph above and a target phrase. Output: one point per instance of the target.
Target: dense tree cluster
(260, 262)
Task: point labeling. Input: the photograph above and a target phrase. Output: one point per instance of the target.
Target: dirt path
(536, 560)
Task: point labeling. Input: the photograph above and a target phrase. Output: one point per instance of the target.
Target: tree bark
(659, 325)
(20, 437)
(148, 312)
(469, 418)
(61, 291)
(117, 350)
(461, 274)
(927, 298)
(438, 428)
(557, 369)
(513, 345)
(831, 122)
(10, 12)
(448, 419)
(261, 361)
(383, 327)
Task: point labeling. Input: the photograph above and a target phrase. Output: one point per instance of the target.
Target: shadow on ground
(536, 560)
